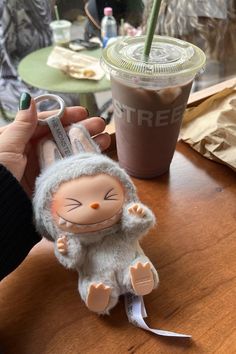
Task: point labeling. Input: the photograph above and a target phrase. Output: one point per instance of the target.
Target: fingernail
(105, 120)
(25, 100)
(87, 111)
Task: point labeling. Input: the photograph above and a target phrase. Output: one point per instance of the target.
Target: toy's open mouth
(107, 222)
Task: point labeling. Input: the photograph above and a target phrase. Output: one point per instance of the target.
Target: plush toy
(88, 206)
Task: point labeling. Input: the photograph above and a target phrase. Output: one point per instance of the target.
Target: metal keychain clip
(54, 123)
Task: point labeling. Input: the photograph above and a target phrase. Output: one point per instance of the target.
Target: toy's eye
(110, 195)
(75, 204)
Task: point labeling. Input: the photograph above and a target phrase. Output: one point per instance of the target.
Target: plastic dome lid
(168, 57)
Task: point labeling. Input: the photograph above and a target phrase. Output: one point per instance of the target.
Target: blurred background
(24, 28)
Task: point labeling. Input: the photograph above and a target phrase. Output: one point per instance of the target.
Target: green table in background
(33, 69)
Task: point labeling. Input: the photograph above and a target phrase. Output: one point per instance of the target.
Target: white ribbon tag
(60, 136)
(54, 123)
(136, 312)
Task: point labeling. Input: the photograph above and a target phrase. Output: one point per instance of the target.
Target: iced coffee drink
(149, 99)
(150, 120)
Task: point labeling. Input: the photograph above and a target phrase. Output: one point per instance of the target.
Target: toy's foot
(98, 297)
(142, 278)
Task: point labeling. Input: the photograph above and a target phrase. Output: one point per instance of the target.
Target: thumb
(16, 136)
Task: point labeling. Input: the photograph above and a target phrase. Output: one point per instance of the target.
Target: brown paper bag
(210, 127)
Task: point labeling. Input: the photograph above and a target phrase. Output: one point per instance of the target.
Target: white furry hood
(83, 164)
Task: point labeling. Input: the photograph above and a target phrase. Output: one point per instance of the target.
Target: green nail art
(25, 99)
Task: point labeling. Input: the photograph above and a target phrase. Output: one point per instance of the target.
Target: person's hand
(131, 31)
(19, 140)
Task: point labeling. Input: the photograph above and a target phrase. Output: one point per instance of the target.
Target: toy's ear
(48, 153)
(81, 141)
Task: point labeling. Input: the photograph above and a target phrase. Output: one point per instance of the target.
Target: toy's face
(88, 203)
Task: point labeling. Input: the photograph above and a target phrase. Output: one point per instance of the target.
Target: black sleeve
(17, 232)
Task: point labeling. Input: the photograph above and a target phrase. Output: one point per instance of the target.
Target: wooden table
(193, 248)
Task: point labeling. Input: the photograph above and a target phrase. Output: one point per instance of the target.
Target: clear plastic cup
(149, 99)
(61, 32)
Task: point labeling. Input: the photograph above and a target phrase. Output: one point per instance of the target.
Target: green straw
(151, 27)
(56, 13)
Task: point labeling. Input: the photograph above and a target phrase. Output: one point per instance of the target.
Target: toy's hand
(62, 245)
(68, 251)
(137, 219)
(137, 209)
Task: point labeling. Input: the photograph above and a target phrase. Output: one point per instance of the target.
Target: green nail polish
(87, 111)
(25, 100)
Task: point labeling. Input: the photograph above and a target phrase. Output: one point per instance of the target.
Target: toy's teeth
(92, 226)
(61, 221)
(81, 226)
(86, 227)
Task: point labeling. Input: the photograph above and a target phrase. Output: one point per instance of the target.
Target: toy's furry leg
(140, 277)
(99, 297)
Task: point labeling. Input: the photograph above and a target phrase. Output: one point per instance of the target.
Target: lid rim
(193, 71)
(113, 59)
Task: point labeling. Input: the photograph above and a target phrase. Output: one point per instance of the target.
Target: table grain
(193, 247)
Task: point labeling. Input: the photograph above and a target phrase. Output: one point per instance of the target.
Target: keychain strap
(55, 125)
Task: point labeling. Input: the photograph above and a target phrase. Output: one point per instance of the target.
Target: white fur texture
(103, 256)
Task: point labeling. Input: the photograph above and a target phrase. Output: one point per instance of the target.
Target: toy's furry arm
(74, 255)
(135, 226)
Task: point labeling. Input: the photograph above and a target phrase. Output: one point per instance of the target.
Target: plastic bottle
(108, 26)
